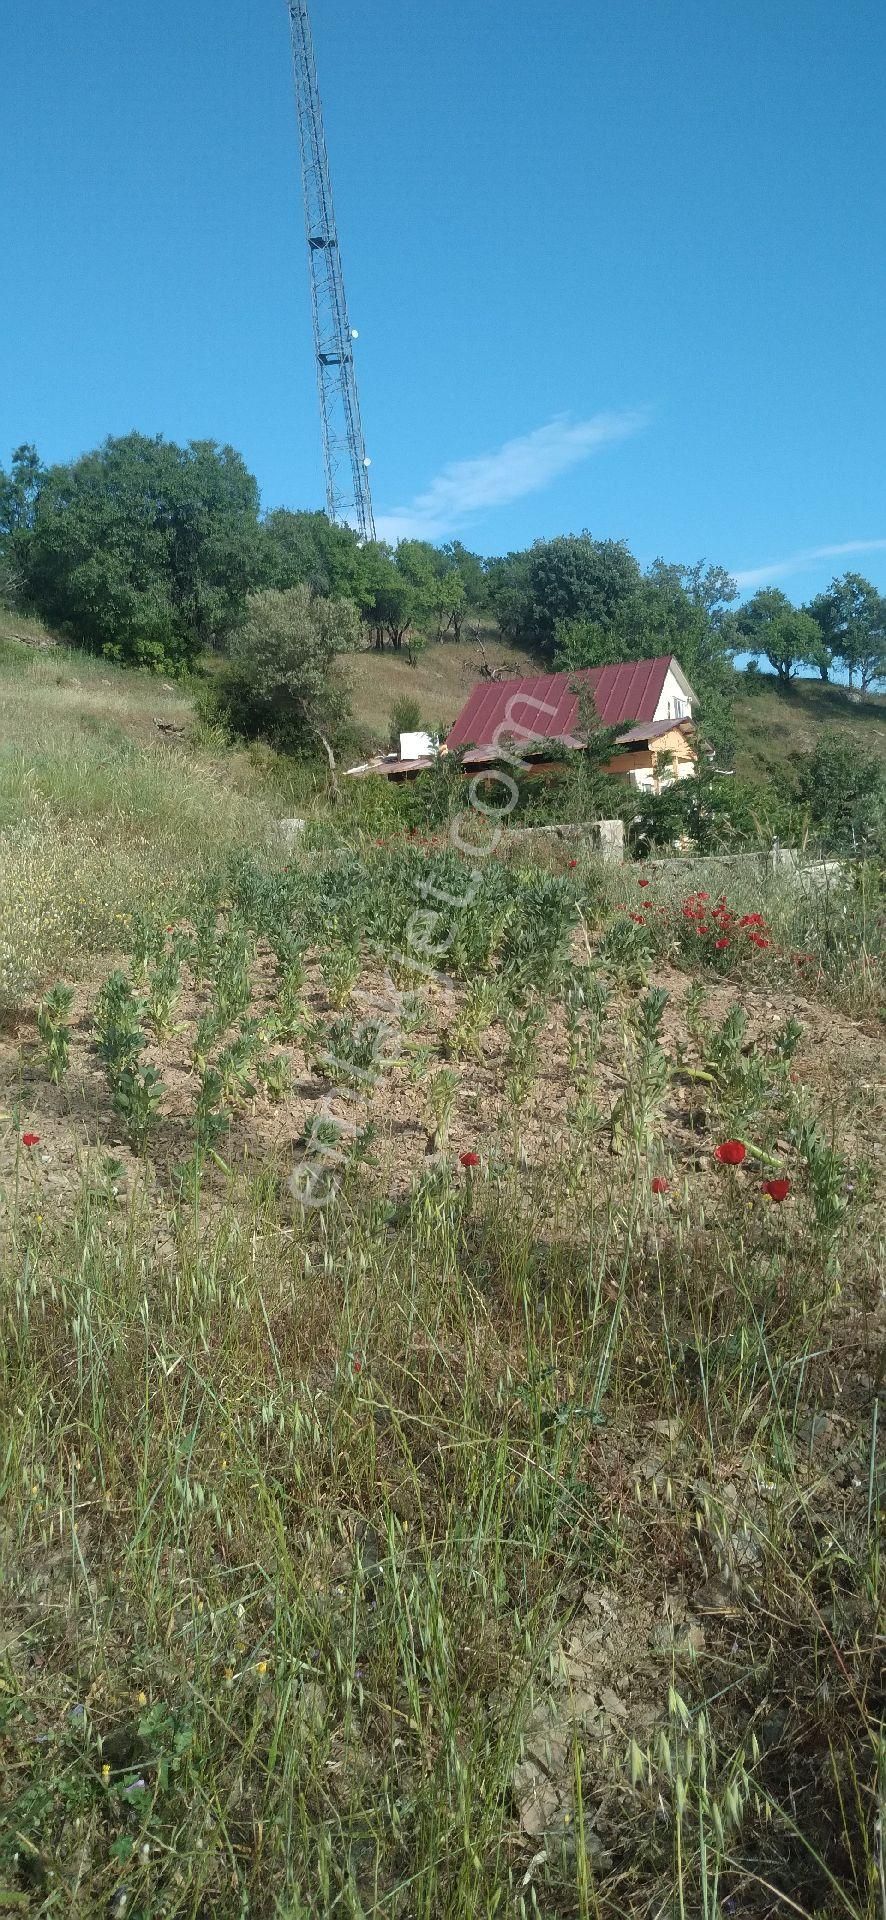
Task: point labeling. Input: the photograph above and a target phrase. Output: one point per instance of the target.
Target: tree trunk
(333, 776)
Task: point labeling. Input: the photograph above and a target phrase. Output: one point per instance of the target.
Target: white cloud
(798, 562)
(520, 467)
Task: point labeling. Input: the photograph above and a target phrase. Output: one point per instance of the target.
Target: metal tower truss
(348, 496)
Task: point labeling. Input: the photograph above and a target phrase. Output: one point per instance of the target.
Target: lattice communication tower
(348, 497)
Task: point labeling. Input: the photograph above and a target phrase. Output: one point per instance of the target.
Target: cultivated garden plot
(444, 1336)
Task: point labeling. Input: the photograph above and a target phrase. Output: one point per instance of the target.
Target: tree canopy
(786, 636)
(142, 550)
(851, 622)
(557, 582)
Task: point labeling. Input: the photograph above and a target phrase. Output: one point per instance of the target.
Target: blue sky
(616, 267)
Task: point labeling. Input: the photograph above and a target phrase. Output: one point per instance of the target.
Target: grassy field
(105, 806)
(443, 1332)
(774, 724)
(440, 681)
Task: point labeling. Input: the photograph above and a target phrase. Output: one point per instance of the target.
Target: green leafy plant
(585, 998)
(53, 1027)
(162, 992)
(137, 1096)
(340, 970)
(275, 1076)
(477, 1011)
(355, 1051)
(625, 952)
(118, 1029)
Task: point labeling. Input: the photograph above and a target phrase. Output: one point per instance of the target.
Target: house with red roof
(650, 702)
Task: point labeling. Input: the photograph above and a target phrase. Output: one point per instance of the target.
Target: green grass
(101, 812)
(773, 725)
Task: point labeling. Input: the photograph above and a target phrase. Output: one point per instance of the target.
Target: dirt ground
(841, 1062)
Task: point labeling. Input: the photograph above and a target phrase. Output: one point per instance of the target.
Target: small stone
(536, 1797)
(670, 1430)
(612, 1704)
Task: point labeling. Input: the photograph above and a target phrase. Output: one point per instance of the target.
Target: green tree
(420, 567)
(311, 550)
(820, 611)
(467, 588)
(19, 489)
(573, 577)
(451, 603)
(851, 617)
(675, 610)
(282, 681)
(143, 550)
(385, 598)
(788, 638)
(713, 810)
(707, 586)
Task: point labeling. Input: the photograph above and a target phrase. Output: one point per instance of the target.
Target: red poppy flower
(469, 1159)
(721, 945)
(730, 1153)
(660, 1185)
(702, 896)
(752, 920)
(777, 1189)
(642, 883)
(356, 1366)
(637, 919)
(758, 940)
(572, 863)
(30, 1139)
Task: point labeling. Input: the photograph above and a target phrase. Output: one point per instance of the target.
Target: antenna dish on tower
(348, 498)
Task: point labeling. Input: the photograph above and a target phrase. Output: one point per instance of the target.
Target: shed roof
(545, 706)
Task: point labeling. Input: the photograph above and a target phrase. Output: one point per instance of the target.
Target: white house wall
(674, 701)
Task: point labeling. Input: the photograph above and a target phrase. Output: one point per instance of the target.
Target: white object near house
(417, 746)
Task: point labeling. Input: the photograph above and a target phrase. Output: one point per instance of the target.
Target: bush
(281, 682)
(405, 718)
(842, 791)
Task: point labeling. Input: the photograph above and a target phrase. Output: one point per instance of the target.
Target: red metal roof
(544, 706)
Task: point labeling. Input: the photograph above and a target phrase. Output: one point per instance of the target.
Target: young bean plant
(53, 1027)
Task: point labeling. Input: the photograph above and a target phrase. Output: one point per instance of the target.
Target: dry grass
(440, 681)
(485, 1542)
(101, 811)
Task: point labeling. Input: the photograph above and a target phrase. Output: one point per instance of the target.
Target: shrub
(281, 682)
(405, 718)
(843, 792)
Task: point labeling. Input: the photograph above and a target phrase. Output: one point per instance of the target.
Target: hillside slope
(771, 725)
(80, 694)
(439, 682)
(774, 724)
